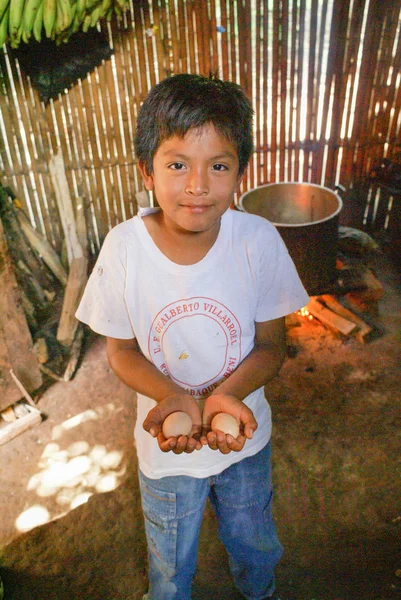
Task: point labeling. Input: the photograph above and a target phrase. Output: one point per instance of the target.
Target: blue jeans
(242, 500)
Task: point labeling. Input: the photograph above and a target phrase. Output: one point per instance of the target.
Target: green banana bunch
(20, 20)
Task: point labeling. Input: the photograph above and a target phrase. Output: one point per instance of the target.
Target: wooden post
(77, 279)
(16, 347)
(77, 259)
(64, 203)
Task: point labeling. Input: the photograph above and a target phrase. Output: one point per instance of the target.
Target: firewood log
(44, 249)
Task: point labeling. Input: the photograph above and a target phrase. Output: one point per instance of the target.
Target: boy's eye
(219, 167)
(177, 166)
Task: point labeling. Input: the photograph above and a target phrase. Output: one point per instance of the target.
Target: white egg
(225, 423)
(176, 424)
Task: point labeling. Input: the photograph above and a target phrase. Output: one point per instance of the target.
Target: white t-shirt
(196, 323)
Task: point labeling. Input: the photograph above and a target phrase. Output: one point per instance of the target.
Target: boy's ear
(146, 176)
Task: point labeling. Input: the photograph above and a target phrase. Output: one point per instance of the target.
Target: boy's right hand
(154, 422)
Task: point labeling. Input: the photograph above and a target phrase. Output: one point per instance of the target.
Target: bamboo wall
(323, 76)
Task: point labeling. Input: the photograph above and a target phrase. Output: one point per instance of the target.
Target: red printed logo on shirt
(196, 342)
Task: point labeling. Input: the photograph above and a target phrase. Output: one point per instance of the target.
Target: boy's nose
(197, 184)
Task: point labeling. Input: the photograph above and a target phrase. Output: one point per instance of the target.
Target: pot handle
(340, 189)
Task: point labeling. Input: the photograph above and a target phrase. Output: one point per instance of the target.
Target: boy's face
(194, 179)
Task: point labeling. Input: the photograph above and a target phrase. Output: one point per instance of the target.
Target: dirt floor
(71, 525)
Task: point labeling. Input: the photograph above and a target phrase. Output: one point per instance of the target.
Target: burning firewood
(329, 318)
(331, 313)
(363, 329)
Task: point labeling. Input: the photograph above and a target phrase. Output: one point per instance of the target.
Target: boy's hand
(217, 403)
(154, 422)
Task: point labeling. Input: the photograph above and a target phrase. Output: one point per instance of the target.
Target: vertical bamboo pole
(256, 75)
(233, 44)
(292, 93)
(301, 39)
(174, 42)
(310, 91)
(350, 76)
(214, 53)
(223, 41)
(159, 34)
(275, 87)
(192, 36)
(335, 68)
(364, 103)
(283, 91)
(183, 38)
(266, 119)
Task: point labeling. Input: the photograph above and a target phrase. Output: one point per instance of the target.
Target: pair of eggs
(179, 423)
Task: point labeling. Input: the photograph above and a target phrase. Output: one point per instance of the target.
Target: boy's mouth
(196, 208)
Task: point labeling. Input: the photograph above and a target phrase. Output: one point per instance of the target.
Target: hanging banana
(38, 22)
(16, 11)
(63, 16)
(86, 23)
(4, 6)
(81, 10)
(49, 16)
(4, 27)
(28, 18)
(78, 18)
(105, 5)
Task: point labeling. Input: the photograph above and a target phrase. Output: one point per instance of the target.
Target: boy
(192, 298)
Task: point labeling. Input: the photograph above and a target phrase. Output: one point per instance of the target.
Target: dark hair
(183, 101)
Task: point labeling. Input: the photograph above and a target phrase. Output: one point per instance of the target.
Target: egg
(176, 424)
(225, 423)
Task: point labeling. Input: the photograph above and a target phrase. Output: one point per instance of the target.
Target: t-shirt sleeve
(103, 306)
(280, 289)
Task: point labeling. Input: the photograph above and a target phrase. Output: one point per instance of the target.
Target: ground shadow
(96, 551)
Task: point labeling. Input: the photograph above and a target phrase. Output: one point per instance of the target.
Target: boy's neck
(180, 246)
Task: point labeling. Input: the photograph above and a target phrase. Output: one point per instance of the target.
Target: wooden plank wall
(323, 76)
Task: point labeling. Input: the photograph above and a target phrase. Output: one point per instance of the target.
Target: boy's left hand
(218, 403)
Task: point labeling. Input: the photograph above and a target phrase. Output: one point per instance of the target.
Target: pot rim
(303, 183)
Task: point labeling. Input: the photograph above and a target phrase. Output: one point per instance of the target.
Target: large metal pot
(306, 216)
